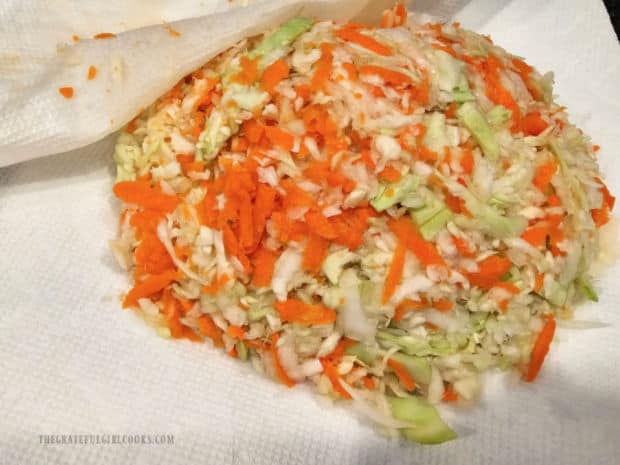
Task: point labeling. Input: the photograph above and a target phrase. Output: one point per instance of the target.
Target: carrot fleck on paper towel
(104, 35)
(92, 72)
(172, 31)
(75, 38)
(66, 92)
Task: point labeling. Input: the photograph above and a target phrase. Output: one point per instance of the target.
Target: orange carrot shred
(274, 73)
(533, 124)
(263, 261)
(141, 193)
(323, 68)
(489, 271)
(395, 273)
(407, 305)
(389, 76)
(296, 311)
(248, 72)
(538, 282)
(314, 253)
(75, 38)
(280, 137)
(104, 35)
(152, 284)
(332, 374)
(544, 173)
(209, 329)
(443, 305)
(92, 72)
(449, 394)
(320, 225)
(363, 40)
(282, 375)
(541, 348)
(402, 373)
(467, 161)
(406, 232)
(236, 332)
(66, 92)
(390, 174)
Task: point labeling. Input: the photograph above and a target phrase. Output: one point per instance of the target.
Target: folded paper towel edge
(66, 138)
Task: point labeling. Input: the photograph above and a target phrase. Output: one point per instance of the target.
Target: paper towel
(71, 361)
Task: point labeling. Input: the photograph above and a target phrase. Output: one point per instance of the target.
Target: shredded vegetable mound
(382, 212)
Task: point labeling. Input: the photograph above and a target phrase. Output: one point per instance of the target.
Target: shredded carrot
(280, 137)
(216, 285)
(274, 73)
(282, 375)
(210, 330)
(524, 70)
(541, 348)
(339, 351)
(151, 256)
(544, 174)
(451, 110)
(248, 72)
(92, 72)
(449, 394)
(390, 174)
(489, 271)
(495, 90)
(395, 273)
(538, 282)
(467, 161)
(314, 253)
(253, 130)
(141, 193)
(369, 382)
(363, 40)
(351, 71)
(462, 246)
(66, 92)
(402, 374)
(323, 68)
(406, 232)
(533, 124)
(407, 305)
(236, 332)
(296, 311)
(75, 38)
(104, 35)
(263, 261)
(151, 285)
(296, 196)
(536, 235)
(443, 305)
(600, 216)
(332, 374)
(389, 76)
(320, 225)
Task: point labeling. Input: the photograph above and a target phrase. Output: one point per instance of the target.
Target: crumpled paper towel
(157, 43)
(73, 362)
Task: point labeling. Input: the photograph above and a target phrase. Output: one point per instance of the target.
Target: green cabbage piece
(283, 36)
(400, 190)
(476, 123)
(427, 425)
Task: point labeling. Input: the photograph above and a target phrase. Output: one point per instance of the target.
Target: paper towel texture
(71, 361)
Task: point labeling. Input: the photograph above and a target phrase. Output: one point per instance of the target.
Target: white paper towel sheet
(72, 362)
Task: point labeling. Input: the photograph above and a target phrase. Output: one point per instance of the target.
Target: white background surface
(71, 361)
